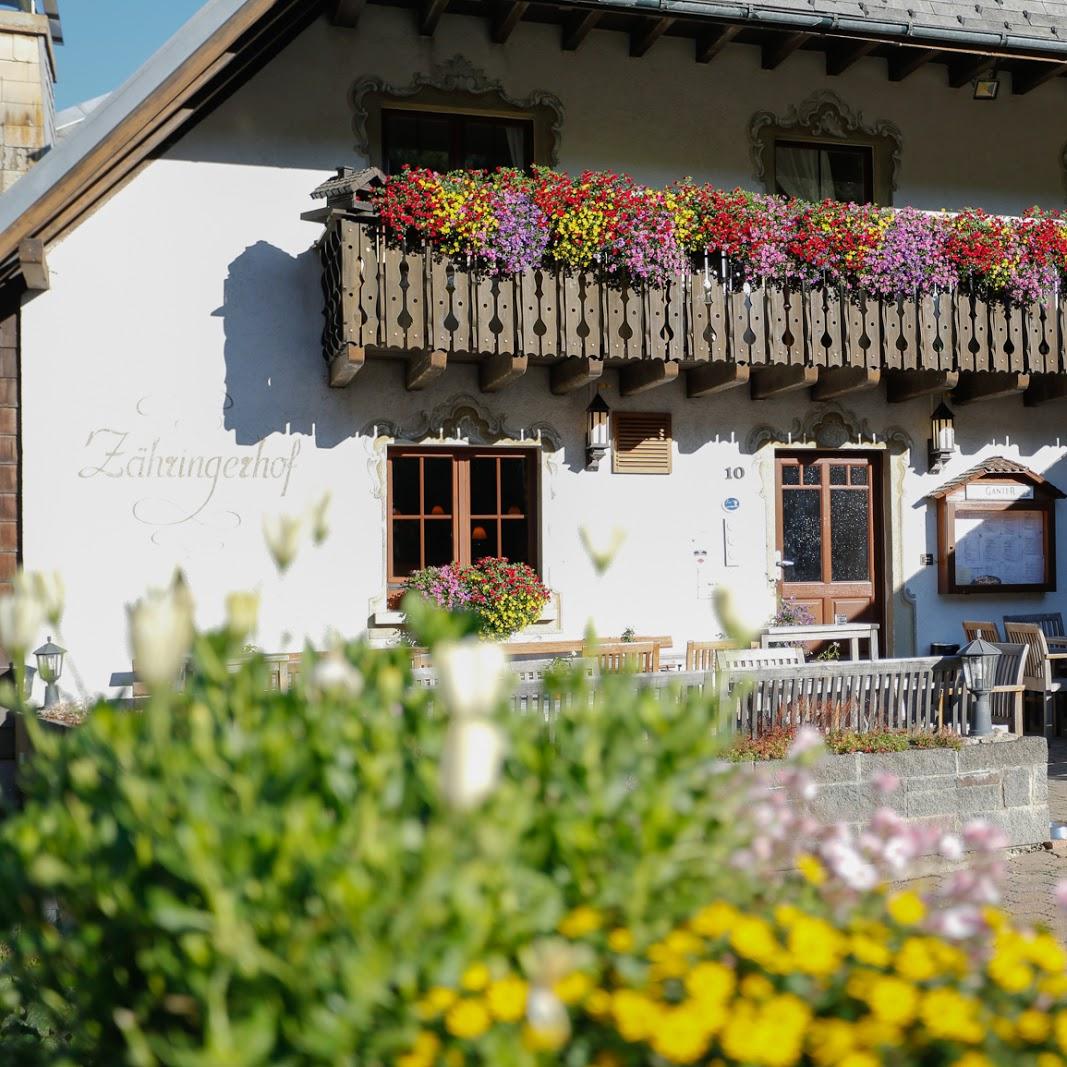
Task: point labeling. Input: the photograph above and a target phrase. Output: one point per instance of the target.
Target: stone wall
(1002, 782)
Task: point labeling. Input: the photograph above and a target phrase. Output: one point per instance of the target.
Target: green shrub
(774, 743)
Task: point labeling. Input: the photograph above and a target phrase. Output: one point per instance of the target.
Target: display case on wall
(996, 530)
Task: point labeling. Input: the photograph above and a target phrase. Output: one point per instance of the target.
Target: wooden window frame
(457, 119)
(462, 514)
(798, 141)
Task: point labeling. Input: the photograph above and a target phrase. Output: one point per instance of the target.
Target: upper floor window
(442, 140)
(813, 170)
(459, 505)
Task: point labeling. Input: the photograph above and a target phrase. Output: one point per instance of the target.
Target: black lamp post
(979, 675)
(50, 667)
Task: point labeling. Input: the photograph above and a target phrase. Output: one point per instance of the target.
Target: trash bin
(943, 648)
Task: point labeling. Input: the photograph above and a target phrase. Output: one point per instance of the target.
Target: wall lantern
(50, 667)
(986, 88)
(597, 432)
(942, 438)
(979, 660)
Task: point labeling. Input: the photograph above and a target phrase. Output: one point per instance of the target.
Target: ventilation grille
(642, 443)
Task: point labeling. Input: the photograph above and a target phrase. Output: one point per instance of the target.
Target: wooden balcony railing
(382, 300)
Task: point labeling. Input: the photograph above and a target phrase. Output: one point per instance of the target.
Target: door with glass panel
(829, 534)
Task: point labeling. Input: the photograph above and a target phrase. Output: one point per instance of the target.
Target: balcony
(384, 301)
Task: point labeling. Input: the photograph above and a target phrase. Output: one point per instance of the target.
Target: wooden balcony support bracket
(499, 371)
(1035, 74)
(423, 368)
(903, 385)
(508, 15)
(777, 52)
(346, 12)
(962, 71)
(640, 375)
(346, 364)
(908, 60)
(839, 57)
(709, 43)
(781, 378)
(643, 39)
(33, 265)
(430, 15)
(574, 373)
(835, 382)
(1045, 387)
(989, 385)
(715, 377)
(577, 28)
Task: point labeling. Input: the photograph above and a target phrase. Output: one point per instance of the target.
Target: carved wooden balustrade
(382, 300)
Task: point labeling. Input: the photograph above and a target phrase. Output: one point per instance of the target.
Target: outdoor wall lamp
(987, 88)
(942, 438)
(979, 660)
(50, 667)
(597, 432)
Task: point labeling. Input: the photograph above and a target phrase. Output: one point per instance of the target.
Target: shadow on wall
(272, 319)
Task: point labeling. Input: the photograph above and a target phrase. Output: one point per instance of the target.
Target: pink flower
(886, 782)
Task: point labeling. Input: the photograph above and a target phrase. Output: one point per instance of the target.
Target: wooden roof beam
(346, 12)
(836, 382)
(1035, 74)
(424, 368)
(499, 371)
(962, 71)
(715, 377)
(1045, 387)
(643, 39)
(640, 375)
(574, 373)
(988, 385)
(903, 385)
(908, 60)
(33, 265)
(777, 52)
(347, 362)
(430, 15)
(775, 380)
(709, 43)
(508, 16)
(577, 28)
(839, 57)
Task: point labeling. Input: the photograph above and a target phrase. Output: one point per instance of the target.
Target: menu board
(1000, 548)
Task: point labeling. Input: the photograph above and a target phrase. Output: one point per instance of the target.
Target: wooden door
(830, 535)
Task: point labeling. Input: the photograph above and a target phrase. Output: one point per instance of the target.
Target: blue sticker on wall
(731, 503)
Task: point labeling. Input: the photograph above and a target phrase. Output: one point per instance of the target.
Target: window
(443, 140)
(460, 505)
(824, 171)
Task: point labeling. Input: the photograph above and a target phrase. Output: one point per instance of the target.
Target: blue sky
(105, 41)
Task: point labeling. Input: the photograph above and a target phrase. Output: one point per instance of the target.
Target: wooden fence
(382, 298)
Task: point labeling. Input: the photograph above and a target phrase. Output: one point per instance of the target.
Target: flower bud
(282, 534)
(161, 631)
(47, 587)
(741, 618)
(471, 676)
(21, 616)
(471, 762)
(242, 614)
(547, 1018)
(334, 675)
(601, 546)
(320, 528)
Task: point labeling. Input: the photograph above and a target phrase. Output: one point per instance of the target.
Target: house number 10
(735, 474)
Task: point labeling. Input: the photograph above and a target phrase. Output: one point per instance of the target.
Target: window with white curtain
(818, 171)
(444, 140)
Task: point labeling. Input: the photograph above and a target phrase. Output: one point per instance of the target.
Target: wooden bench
(852, 632)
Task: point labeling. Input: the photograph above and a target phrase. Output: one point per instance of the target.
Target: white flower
(47, 587)
(21, 616)
(951, 847)
(471, 676)
(242, 614)
(161, 631)
(741, 618)
(282, 534)
(808, 739)
(320, 528)
(601, 546)
(470, 762)
(547, 1017)
(333, 674)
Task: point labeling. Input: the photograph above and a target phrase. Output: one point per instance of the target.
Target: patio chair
(1038, 676)
(988, 631)
(642, 656)
(1051, 622)
(700, 655)
(750, 659)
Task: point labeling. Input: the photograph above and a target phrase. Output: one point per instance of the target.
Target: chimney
(28, 31)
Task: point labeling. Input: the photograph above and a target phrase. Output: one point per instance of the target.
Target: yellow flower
(951, 1016)
(574, 988)
(710, 983)
(1059, 1025)
(869, 951)
(506, 998)
(475, 978)
(1046, 952)
(811, 869)
(683, 943)
(756, 987)
(859, 1059)
(916, 961)
(606, 1059)
(598, 1004)
(621, 940)
(1010, 973)
(892, 1000)
(830, 1040)
(874, 1033)
(974, 1059)
(468, 1018)
(436, 1002)
(816, 947)
(752, 937)
(636, 1016)
(715, 919)
(1048, 1059)
(906, 908)
(681, 1036)
(1033, 1026)
(580, 922)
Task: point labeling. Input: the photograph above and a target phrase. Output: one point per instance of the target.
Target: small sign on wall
(994, 491)
(729, 542)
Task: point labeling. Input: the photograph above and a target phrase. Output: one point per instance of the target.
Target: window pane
(802, 535)
(859, 475)
(849, 536)
(437, 488)
(417, 139)
(513, 492)
(406, 485)
(791, 474)
(483, 539)
(848, 173)
(438, 542)
(490, 145)
(839, 474)
(812, 475)
(405, 547)
(797, 171)
(483, 486)
(515, 542)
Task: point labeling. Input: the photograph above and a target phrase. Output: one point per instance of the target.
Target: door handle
(786, 563)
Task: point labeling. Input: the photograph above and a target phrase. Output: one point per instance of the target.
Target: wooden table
(852, 632)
